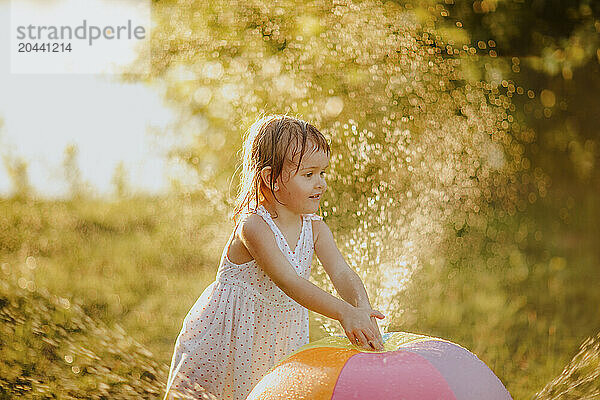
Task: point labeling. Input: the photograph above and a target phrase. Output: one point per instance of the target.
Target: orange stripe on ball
(309, 374)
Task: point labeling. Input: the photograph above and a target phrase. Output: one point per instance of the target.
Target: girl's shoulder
(238, 250)
(251, 222)
(253, 227)
(317, 223)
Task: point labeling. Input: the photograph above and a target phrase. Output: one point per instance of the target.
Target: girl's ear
(265, 175)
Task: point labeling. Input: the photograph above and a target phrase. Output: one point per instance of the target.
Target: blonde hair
(266, 144)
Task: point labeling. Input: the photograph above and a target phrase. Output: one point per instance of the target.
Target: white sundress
(243, 323)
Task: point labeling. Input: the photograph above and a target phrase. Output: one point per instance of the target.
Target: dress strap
(262, 211)
(310, 234)
(313, 217)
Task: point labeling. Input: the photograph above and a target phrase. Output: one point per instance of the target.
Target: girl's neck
(283, 215)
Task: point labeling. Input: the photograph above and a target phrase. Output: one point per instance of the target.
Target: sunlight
(106, 120)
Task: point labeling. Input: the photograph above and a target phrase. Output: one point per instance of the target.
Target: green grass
(522, 305)
(140, 262)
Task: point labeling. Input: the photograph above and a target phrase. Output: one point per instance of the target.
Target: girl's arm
(345, 280)
(358, 322)
(260, 242)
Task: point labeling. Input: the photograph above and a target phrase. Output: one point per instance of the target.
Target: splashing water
(49, 347)
(426, 142)
(419, 148)
(580, 379)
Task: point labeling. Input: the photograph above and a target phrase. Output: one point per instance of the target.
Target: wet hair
(267, 143)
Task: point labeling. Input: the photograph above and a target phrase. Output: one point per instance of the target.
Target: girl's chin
(311, 207)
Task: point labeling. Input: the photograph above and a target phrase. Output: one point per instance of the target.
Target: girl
(255, 313)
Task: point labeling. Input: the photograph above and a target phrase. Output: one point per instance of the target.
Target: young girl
(255, 313)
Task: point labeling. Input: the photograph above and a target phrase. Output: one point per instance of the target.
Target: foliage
(111, 256)
(50, 348)
(417, 142)
(77, 186)
(579, 379)
(138, 263)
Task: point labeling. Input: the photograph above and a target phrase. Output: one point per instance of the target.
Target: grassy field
(140, 263)
(136, 266)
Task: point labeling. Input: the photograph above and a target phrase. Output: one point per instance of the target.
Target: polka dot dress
(243, 323)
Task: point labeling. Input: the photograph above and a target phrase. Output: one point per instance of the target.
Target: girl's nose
(322, 183)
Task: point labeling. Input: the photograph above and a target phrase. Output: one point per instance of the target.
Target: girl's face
(302, 191)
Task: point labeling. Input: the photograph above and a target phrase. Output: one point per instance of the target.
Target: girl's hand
(361, 328)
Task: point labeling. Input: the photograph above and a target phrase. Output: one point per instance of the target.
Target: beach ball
(410, 367)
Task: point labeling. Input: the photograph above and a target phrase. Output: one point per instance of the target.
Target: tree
(77, 186)
(120, 181)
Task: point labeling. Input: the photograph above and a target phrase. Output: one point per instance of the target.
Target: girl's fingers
(377, 343)
(353, 338)
(373, 332)
(370, 339)
(362, 340)
(377, 332)
(350, 337)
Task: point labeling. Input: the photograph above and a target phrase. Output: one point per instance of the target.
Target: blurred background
(463, 186)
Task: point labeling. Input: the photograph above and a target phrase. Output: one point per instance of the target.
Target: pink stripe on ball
(392, 375)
